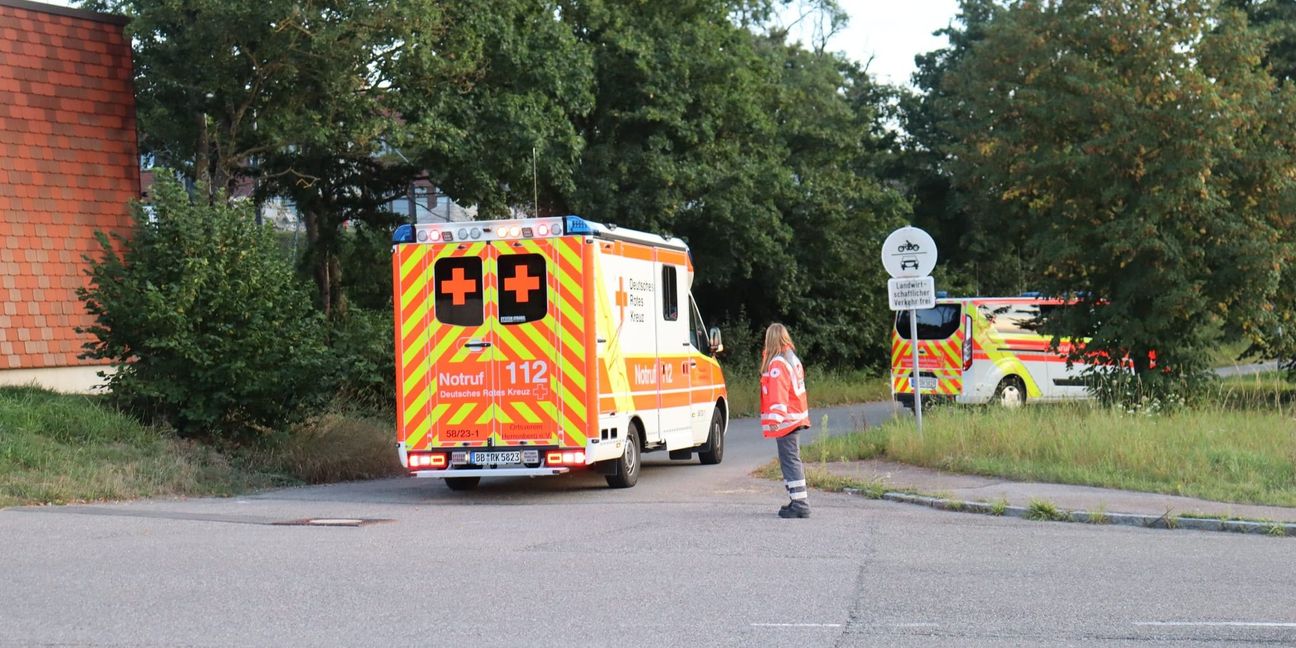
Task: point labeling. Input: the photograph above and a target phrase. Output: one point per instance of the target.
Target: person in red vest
(784, 413)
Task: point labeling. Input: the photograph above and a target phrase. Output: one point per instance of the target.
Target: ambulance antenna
(535, 186)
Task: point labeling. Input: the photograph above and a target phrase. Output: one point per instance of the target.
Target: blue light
(403, 234)
(576, 225)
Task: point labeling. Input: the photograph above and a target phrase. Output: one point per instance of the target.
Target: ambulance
(985, 349)
(546, 345)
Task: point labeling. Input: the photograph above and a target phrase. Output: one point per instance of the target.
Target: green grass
(825, 389)
(1268, 391)
(57, 448)
(1046, 511)
(1212, 452)
(1227, 353)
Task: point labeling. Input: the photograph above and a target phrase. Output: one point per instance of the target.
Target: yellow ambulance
(985, 349)
(541, 346)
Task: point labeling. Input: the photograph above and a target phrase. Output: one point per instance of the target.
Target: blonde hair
(777, 340)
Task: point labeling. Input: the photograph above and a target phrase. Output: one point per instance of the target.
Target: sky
(891, 32)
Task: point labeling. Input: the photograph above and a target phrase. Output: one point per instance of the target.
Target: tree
(1141, 158)
(1276, 21)
(749, 148)
(339, 105)
(204, 321)
(828, 116)
(971, 262)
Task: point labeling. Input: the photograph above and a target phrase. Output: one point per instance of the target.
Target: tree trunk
(326, 267)
(317, 258)
(337, 298)
(202, 158)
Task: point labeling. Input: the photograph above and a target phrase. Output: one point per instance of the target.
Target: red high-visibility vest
(784, 407)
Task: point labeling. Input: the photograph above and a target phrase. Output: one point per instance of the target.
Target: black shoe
(789, 512)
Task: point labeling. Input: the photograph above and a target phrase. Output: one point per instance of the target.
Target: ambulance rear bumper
(490, 472)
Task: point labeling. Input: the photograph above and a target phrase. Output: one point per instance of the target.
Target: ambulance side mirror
(717, 345)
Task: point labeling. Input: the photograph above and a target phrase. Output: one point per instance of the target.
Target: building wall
(69, 165)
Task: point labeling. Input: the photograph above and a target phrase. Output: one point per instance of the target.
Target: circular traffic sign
(909, 252)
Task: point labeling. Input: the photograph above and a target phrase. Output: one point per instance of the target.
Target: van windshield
(933, 323)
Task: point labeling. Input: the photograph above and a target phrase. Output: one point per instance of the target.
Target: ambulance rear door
(538, 400)
(461, 347)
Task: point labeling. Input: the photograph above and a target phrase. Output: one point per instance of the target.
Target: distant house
(69, 165)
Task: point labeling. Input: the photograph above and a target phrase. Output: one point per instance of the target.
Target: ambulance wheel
(462, 483)
(626, 470)
(713, 452)
(1010, 392)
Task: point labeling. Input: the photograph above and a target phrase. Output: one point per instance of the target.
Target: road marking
(838, 625)
(1216, 624)
(796, 625)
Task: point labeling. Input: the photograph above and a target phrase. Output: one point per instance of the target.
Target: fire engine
(545, 345)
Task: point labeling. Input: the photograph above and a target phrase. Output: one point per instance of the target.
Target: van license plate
(928, 384)
(483, 458)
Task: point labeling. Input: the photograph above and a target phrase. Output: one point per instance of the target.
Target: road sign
(909, 252)
(911, 293)
(909, 255)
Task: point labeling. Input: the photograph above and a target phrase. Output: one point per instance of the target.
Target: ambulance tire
(713, 452)
(462, 483)
(626, 469)
(1010, 392)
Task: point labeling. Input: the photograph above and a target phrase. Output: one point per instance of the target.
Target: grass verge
(827, 388)
(1269, 391)
(1213, 452)
(58, 448)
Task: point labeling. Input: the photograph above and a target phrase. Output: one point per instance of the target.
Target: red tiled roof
(68, 167)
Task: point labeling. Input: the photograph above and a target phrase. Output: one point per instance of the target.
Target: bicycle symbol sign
(909, 252)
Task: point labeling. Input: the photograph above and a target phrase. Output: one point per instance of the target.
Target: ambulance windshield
(933, 323)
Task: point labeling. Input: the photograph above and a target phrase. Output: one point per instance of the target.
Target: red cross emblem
(458, 287)
(521, 284)
(622, 298)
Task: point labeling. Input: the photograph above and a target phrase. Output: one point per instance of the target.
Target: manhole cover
(332, 522)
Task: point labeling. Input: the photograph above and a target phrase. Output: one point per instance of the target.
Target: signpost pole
(915, 382)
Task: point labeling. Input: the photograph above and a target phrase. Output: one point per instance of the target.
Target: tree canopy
(1136, 157)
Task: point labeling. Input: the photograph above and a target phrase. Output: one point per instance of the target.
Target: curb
(1166, 521)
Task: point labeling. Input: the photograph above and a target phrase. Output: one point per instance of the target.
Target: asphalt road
(692, 556)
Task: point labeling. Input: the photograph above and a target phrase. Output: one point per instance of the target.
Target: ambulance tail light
(565, 458)
(427, 460)
(967, 343)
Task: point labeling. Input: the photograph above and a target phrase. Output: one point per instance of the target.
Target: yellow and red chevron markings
(940, 358)
(557, 413)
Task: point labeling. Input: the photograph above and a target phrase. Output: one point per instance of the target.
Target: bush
(364, 358)
(204, 320)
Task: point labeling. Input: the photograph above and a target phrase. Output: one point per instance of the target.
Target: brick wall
(68, 167)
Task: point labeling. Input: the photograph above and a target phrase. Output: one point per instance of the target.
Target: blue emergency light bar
(403, 234)
(576, 225)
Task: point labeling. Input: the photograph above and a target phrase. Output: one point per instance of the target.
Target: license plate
(928, 384)
(510, 457)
